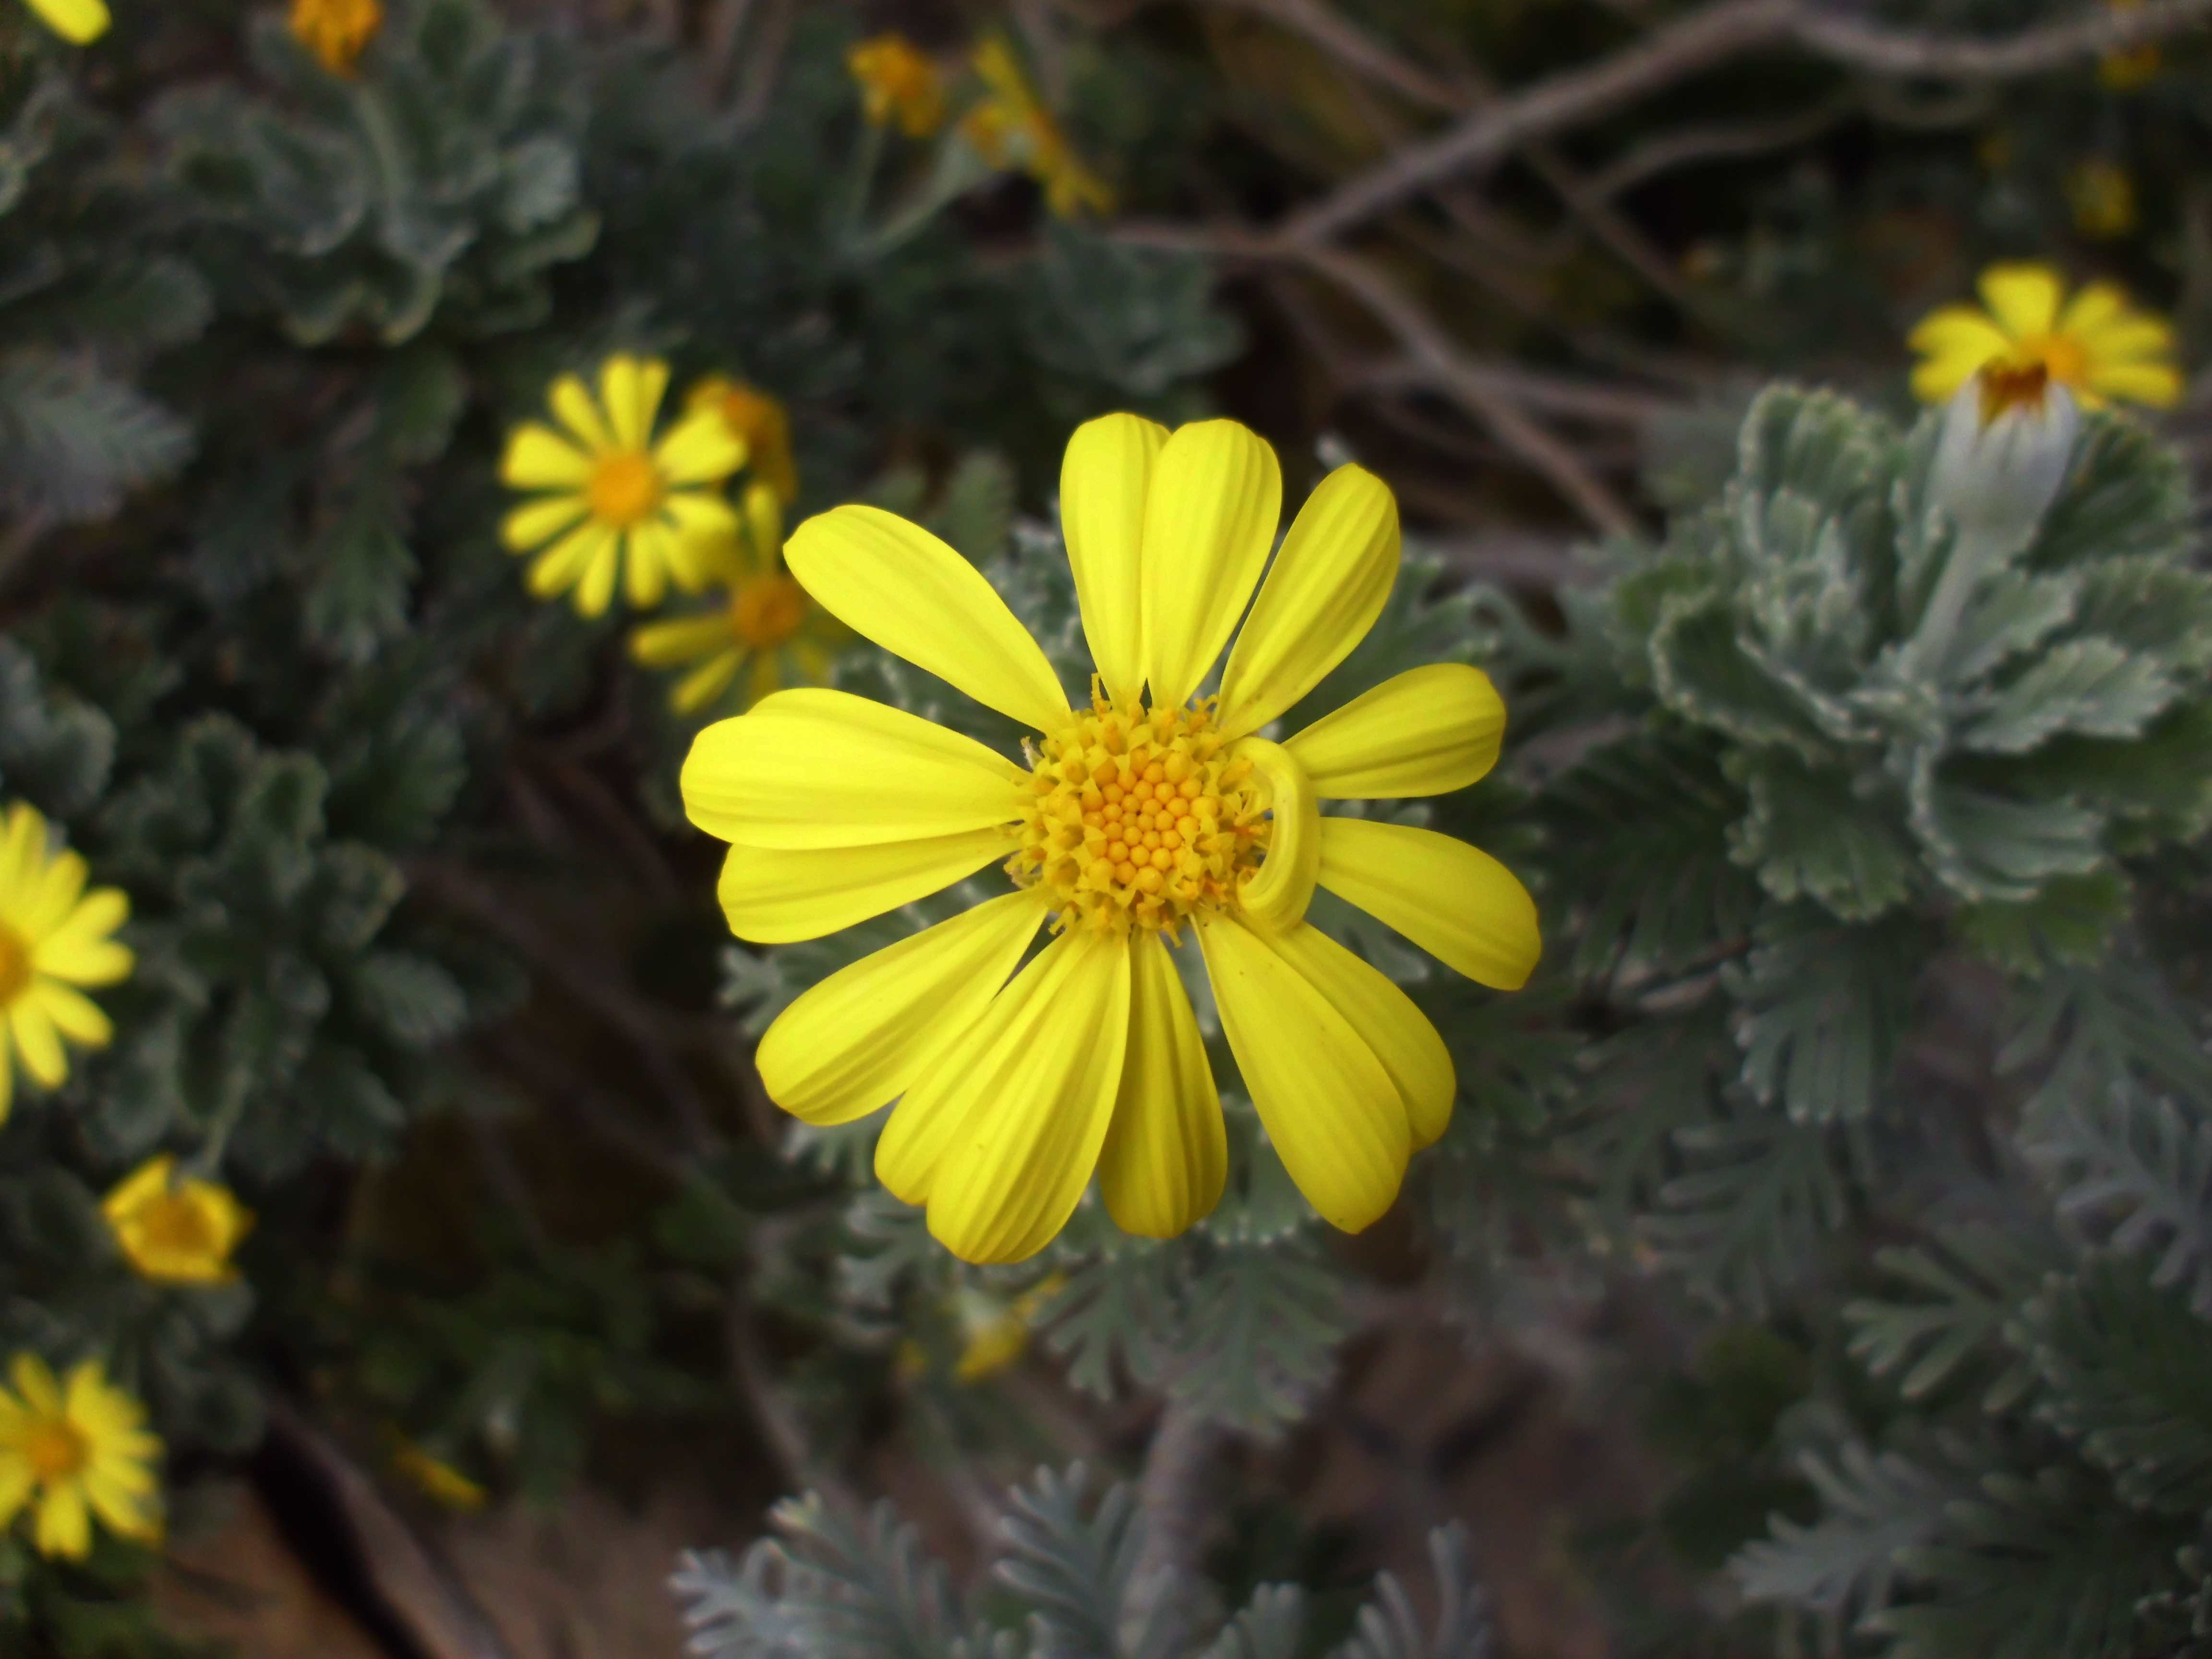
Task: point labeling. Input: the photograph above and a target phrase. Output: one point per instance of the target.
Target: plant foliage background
(1867, 1063)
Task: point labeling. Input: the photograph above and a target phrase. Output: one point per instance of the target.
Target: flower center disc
(2057, 355)
(54, 1450)
(2013, 385)
(1140, 819)
(14, 965)
(624, 489)
(767, 611)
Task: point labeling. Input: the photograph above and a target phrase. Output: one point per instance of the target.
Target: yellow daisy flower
(1129, 821)
(440, 1481)
(1012, 128)
(2137, 67)
(53, 936)
(761, 422)
(897, 82)
(335, 31)
(997, 1334)
(2102, 195)
(764, 623)
(2097, 346)
(615, 500)
(177, 1232)
(80, 22)
(73, 1451)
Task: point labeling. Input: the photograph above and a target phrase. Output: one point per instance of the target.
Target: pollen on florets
(1138, 818)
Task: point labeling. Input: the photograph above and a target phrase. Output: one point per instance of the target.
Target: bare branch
(1689, 146)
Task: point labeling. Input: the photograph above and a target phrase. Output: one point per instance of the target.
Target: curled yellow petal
(1278, 895)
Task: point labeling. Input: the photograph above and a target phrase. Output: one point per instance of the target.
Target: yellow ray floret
(2096, 345)
(337, 31)
(1012, 128)
(176, 1231)
(897, 82)
(54, 940)
(80, 22)
(610, 499)
(72, 1449)
(1139, 817)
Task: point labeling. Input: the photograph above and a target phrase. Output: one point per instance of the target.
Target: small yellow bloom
(763, 625)
(997, 1333)
(614, 499)
(1012, 128)
(761, 422)
(178, 1232)
(2103, 197)
(1143, 812)
(2137, 67)
(2097, 346)
(53, 936)
(73, 1451)
(898, 82)
(335, 31)
(440, 1482)
(80, 22)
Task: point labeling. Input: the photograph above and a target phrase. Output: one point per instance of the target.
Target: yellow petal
(899, 586)
(2156, 385)
(80, 960)
(700, 513)
(667, 644)
(562, 565)
(700, 449)
(1033, 1105)
(23, 858)
(63, 1527)
(38, 1041)
(77, 21)
(149, 1179)
(538, 457)
(1421, 733)
(1330, 1108)
(1455, 901)
(815, 768)
(1166, 1153)
(35, 1383)
(1960, 331)
(53, 894)
(1388, 1022)
(535, 523)
(773, 897)
(2128, 339)
(706, 683)
(573, 406)
(854, 1042)
(1103, 477)
(2095, 306)
(645, 565)
(2023, 298)
(595, 588)
(1323, 592)
(630, 391)
(77, 1015)
(16, 1483)
(1210, 518)
(1278, 895)
(115, 1503)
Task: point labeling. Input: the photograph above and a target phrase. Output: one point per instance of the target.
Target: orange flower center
(55, 1451)
(624, 489)
(767, 611)
(174, 1224)
(1140, 819)
(2008, 386)
(2058, 355)
(14, 965)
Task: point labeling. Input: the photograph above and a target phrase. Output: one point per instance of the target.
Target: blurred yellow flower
(617, 501)
(2102, 194)
(2138, 66)
(53, 936)
(2097, 346)
(997, 1333)
(761, 422)
(1012, 128)
(178, 1232)
(80, 22)
(764, 621)
(440, 1481)
(72, 1451)
(335, 31)
(898, 82)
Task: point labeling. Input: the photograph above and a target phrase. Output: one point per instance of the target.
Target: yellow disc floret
(1139, 818)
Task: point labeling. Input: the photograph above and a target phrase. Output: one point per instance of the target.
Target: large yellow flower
(2097, 346)
(335, 31)
(763, 625)
(1130, 821)
(616, 500)
(73, 1451)
(1012, 128)
(80, 22)
(178, 1232)
(53, 937)
(898, 82)
(760, 423)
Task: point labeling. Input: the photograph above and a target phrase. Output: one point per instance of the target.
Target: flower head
(615, 500)
(995, 1332)
(1140, 818)
(760, 423)
(80, 22)
(53, 938)
(2005, 445)
(762, 626)
(897, 82)
(2102, 195)
(1012, 128)
(2097, 346)
(71, 1450)
(176, 1231)
(2135, 66)
(335, 31)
